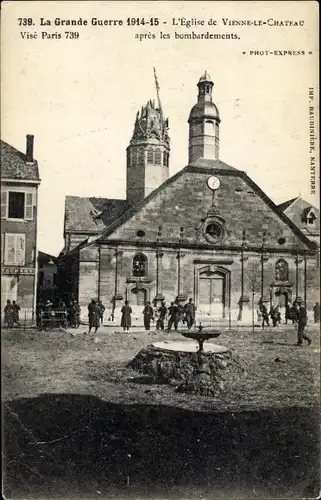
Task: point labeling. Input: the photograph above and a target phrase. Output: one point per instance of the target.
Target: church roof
(14, 166)
(205, 78)
(202, 166)
(91, 215)
(215, 164)
(204, 109)
(286, 204)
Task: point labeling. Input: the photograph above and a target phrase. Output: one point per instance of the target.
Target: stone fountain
(192, 367)
(200, 335)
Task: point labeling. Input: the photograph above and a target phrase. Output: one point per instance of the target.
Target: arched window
(158, 156)
(311, 218)
(150, 155)
(281, 270)
(141, 157)
(140, 265)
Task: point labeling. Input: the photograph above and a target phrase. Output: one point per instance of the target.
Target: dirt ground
(79, 423)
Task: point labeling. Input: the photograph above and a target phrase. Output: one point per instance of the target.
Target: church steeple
(148, 151)
(204, 120)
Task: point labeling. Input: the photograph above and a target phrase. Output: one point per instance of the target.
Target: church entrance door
(211, 297)
(280, 297)
(138, 297)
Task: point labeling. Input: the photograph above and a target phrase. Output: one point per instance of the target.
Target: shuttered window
(17, 205)
(4, 204)
(2, 248)
(15, 249)
(29, 206)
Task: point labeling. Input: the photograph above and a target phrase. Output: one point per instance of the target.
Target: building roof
(212, 164)
(212, 167)
(204, 110)
(205, 78)
(91, 215)
(286, 204)
(14, 166)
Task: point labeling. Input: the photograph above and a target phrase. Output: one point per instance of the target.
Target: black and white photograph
(160, 250)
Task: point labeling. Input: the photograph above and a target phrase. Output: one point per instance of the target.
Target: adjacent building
(19, 206)
(208, 232)
(47, 278)
(304, 215)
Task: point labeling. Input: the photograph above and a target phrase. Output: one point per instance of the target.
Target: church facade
(208, 232)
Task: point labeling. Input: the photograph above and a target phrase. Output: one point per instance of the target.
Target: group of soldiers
(175, 313)
(296, 312)
(291, 313)
(96, 311)
(50, 314)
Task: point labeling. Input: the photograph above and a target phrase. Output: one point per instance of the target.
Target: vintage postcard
(160, 249)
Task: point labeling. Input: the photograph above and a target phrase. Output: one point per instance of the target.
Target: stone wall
(192, 264)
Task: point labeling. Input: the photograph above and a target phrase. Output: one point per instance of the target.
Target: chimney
(29, 149)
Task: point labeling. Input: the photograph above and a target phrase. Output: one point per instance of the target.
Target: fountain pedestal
(203, 368)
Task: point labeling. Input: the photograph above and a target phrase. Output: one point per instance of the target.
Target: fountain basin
(185, 346)
(200, 336)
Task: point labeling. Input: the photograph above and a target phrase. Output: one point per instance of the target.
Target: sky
(79, 97)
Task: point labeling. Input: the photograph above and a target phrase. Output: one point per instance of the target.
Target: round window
(140, 233)
(214, 230)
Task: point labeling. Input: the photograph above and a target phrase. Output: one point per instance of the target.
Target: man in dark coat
(101, 312)
(265, 316)
(294, 313)
(316, 312)
(302, 319)
(148, 314)
(189, 310)
(173, 316)
(287, 312)
(8, 314)
(162, 311)
(16, 310)
(93, 315)
(126, 319)
(274, 315)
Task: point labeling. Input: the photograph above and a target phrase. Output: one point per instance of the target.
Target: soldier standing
(173, 313)
(189, 310)
(162, 315)
(8, 314)
(302, 319)
(101, 312)
(16, 310)
(316, 312)
(274, 315)
(265, 316)
(93, 315)
(148, 314)
(126, 319)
